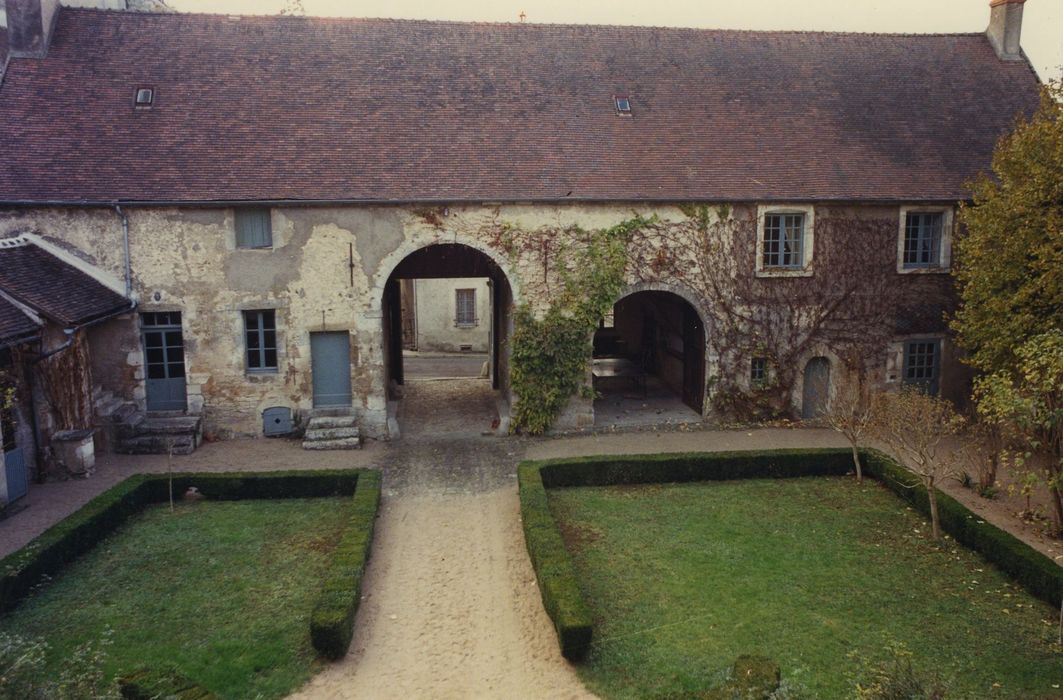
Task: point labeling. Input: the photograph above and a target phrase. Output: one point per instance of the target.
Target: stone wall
(328, 268)
(436, 312)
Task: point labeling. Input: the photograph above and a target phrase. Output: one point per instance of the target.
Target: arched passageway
(649, 361)
(446, 315)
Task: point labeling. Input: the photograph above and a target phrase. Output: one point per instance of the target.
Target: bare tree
(921, 432)
(851, 413)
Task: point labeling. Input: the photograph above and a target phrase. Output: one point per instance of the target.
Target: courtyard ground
(450, 606)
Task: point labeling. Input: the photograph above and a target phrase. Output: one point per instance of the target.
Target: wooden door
(330, 367)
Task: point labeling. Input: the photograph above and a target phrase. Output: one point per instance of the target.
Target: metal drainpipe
(125, 250)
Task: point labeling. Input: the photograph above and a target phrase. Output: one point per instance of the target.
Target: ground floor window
(465, 307)
(922, 364)
(260, 334)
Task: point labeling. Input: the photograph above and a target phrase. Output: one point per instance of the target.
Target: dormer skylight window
(623, 105)
(144, 97)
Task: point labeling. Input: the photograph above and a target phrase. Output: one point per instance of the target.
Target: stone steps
(332, 433)
(140, 434)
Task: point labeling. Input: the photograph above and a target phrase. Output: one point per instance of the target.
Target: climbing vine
(550, 353)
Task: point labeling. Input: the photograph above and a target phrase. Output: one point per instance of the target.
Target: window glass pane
(155, 355)
(173, 339)
(153, 339)
(268, 319)
(254, 359)
(270, 339)
(175, 355)
(253, 228)
(177, 371)
(252, 339)
(156, 372)
(271, 359)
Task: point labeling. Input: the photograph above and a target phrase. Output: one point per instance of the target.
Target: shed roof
(53, 287)
(292, 108)
(15, 325)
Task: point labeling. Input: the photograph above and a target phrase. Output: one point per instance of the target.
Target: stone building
(263, 183)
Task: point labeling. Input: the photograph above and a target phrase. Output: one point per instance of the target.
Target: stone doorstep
(175, 425)
(327, 422)
(317, 434)
(156, 444)
(340, 444)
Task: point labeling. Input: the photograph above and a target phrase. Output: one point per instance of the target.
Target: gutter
(479, 201)
(70, 331)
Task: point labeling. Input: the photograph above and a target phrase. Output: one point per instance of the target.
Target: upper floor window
(260, 334)
(784, 241)
(253, 227)
(465, 307)
(924, 240)
(922, 364)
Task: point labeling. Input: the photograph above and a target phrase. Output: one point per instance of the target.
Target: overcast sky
(1042, 35)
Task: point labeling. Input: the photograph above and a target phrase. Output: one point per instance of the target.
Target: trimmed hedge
(85, 528)
(1034, 571)
(559, 584)
(332, 620)
(70, 538)
(147, 684)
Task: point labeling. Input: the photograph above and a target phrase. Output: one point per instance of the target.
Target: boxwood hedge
(559, 584)
(333, 615)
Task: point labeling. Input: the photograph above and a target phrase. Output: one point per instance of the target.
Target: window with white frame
(924, 240)
(784, 240)
(465, 307)
(922, 364)
(758, 372)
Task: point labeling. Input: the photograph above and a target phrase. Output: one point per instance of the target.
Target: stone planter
(74, 451)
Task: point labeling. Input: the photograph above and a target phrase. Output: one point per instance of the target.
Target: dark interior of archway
(443, 261)
(653, 334)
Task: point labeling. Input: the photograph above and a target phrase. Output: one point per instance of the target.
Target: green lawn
(683, 578)
(221, 590)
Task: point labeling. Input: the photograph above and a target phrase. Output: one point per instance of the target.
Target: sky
(1042, 35)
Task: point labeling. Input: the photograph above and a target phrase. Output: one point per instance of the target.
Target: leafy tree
(1010, 262)
(920, 431)
(1028, 398)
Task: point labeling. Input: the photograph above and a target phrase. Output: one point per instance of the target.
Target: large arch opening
(649, 361)
(447, 314)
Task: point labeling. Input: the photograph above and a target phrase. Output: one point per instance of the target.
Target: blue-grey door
(15, 471)
(330, 364)
(164, 360)
(817, 388)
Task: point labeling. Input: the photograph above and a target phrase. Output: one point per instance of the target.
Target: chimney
(1005, 28)
(29, 26)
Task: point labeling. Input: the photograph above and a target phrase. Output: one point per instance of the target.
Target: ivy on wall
(550, 353)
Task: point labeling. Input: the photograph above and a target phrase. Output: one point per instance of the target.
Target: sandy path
(451, 609)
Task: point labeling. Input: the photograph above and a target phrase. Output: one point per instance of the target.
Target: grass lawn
(683, 578)
(221, 590)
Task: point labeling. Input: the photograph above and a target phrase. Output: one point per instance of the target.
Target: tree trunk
(932, 494)
(856, 463)
(1057, 508)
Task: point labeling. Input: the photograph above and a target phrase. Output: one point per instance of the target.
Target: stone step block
(341, 444)
(331, 433)
(327, 422)
(156, 445)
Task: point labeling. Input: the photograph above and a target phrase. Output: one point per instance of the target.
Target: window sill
(260, 373)
(927, 270)
(254, 247)
(784, 272)
(466, 325)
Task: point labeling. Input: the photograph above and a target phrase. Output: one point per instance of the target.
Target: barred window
(465, 307)
(783, 244)
(260, 332)
(922, 239)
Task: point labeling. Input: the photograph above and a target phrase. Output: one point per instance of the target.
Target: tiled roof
(14, 324)
(280, 108)
(52, 287)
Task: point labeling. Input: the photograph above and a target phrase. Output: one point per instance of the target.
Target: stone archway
(472, 293)
(657, 339)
